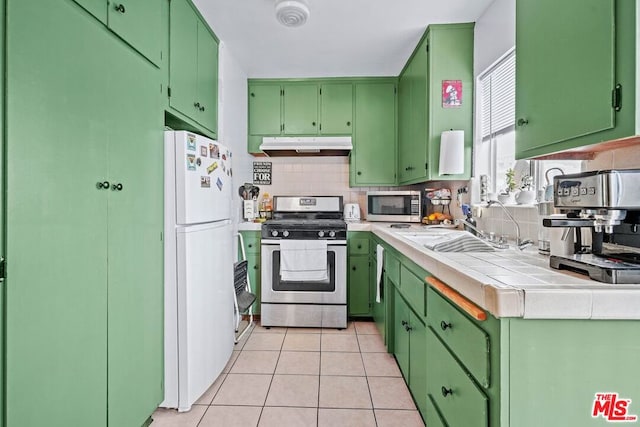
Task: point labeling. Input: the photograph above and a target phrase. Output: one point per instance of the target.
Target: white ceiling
(341, 37)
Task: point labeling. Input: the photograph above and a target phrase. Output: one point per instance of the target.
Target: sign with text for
(262, 173)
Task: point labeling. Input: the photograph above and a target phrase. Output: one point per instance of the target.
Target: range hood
(306, 146)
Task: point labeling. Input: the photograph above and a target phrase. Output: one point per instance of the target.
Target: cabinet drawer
(467, 341)
(413, 288)
(251, 242)
(459, 400)
(392, 268)
(358, 246)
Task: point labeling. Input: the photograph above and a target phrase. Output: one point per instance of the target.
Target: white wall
(495, 33)
(232, 120)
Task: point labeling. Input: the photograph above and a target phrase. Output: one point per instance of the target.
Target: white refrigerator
(198, 272)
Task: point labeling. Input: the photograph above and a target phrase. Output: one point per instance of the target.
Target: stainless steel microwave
(393, 206)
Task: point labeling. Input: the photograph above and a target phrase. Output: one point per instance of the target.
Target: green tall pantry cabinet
(442, 58)
(84, 199)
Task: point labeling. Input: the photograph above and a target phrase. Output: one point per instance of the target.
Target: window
(495, 129)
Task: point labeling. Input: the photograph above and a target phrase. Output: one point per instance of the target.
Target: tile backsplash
(314, 176)
(329, 176)
(621, 158)
(493, 219)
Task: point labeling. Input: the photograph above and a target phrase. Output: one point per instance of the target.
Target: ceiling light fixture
(292, 13)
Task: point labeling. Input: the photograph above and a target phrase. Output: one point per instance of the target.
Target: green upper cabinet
(336, 108)
(306, 107)
(372, 160)
(264, 109)
(183, 54)
(207, 86)
(301, 109)
(138, 22)
(569, 99)
(443, 57)
(193, 66)
(412, 154)
(97, 8)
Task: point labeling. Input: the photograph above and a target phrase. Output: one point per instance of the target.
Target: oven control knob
(285, 233)
(274, 233)
(320, 233)
(332, 233)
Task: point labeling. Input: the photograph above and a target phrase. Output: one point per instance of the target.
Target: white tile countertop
(249, 226)
(513, 283)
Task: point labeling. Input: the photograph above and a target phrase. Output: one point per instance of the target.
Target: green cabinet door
(373, 157)
(139, 23)
(207, 86)
(417, 365)
(251, 241)
(568, 94)
(336, 108)
(445, 53)
(401, 318)
(97, 8)
(458, 398)
(183, 54)
(358, 283)
(135, 225)
(404, 120)
(264, 109)
(301, 109)
(56, 287)
(255, 279)
(417, 144)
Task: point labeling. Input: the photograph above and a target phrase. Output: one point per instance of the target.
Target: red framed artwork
(451, 93)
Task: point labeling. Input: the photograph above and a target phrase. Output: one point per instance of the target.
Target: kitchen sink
(440, 240)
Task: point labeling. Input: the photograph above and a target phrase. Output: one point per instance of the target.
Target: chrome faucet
(520, 243)
(500, 244)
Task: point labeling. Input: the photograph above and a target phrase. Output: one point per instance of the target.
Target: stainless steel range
(304, 263)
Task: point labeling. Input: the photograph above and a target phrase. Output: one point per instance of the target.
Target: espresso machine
(606, 204)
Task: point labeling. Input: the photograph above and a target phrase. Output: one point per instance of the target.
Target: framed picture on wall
(451, 93)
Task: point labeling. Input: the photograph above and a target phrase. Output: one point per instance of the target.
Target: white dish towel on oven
(303, 260)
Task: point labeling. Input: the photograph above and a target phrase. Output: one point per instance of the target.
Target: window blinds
(498, 92)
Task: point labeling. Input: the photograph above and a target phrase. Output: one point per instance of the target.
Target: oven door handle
(329, 242)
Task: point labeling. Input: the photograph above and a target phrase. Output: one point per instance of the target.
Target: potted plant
(506, 196)
(526, 195)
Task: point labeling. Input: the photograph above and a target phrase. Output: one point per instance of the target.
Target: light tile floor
(304, 377)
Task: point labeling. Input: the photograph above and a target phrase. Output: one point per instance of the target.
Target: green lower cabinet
(359, 274)
(358, 283)
(458, 398)
(558, 366)
(401, 317)
(433, 418)
(255, 279)
(251, 241)
(417, 365)
(410, 349)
